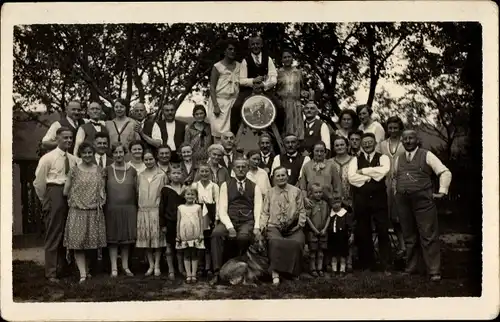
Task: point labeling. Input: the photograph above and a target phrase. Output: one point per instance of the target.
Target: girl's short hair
(340, 137)
(252, 153)
(203, 164)
(146, 151)
(397, 120)
(280, 168)
(189, 188)
(183, 145)
(352, 114)
(117, 145)
(83, 146)
(319, 143)
(136, 142)
(122, 101)
(313, 186)
(199, 107)
(359, 108)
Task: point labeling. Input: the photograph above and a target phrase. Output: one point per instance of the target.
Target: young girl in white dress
(208, 198)
(190, 232)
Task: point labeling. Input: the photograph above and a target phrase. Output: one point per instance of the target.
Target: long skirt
(85, 229)
(149, 233)
(294, 121)
(285, 253)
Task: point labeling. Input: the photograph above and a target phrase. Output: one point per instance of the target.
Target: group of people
(188, 192)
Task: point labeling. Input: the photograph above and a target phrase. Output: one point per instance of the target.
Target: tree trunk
(129, 72)
(373, 65)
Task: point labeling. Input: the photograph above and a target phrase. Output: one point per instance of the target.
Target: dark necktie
(100, 160)
(66, 163)
(291, 158)
(240, 187)
(257, 61)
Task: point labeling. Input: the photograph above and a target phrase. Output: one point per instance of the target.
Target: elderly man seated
(240, 203)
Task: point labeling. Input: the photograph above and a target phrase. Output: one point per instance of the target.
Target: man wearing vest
(366, 174)
(72, 121)
(266, 156)
(415, 203)
(315, 129)
(88, 131)
(240, 204)
(172, 131)
(257, 71)
(148, 130)
(292, 160)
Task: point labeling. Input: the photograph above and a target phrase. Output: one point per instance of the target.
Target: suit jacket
(268, 164)
(236, 154)
(109, 161)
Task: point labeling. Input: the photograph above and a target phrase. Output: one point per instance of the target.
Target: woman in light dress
(258, 175)
(224, 89)
(369, 125)
(85, 226)
(149, 235)
(290, 82)
(136, 149)
(121, 129)
(393, 147)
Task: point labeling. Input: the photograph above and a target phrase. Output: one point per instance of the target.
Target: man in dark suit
(266, 155)
(172, 131)
(101, 144)
(148, 129)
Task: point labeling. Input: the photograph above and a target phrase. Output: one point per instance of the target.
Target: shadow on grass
(461, 277)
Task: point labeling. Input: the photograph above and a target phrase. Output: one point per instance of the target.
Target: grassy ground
(461, 269)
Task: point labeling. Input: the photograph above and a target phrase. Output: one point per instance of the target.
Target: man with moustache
(266, 155)
(291, 160)
(72, 121)
(172, 131)
(228, 141)
(257, 73)
(315, 129)
(416, 206)
(50, 177)
(88, 131)
(148, 130)
(366, 174)
(240, 204)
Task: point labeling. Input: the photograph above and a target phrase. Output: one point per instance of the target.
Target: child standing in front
(339, 236)
(208, 197)
(149, 236)
(318, 220)
(190, 232)
(171, 199)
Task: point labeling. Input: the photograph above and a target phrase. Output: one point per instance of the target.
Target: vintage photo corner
(250, 161)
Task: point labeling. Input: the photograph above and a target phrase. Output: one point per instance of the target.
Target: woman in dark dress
(121, 208)
(199, 135)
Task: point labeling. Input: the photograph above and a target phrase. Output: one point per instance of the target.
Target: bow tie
(291, 156)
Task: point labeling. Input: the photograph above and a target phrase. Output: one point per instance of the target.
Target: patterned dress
(148, 222)
(288, 90)
(199, 141)
(342, 169)
(190, 231)
(85, 226)
(121, 205)
(227, 89)
(392, 152)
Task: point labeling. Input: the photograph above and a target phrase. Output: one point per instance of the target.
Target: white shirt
(51, 132)
(80, 134)
(138, 167)
(170, 135)
(277, 163)
(155, 132)
(102, 157)
(369, 173)
(50, 169)
(228, 158)
(436, 165)
(265, 157)
(270, 80)
(377, 129)
(223, 206)
(260, 178)
(208, 195)
(324, 132)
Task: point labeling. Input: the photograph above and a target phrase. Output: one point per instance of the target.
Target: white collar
(265, 155)
(230, 153)
(241, 181)
(412, 153)
(293, 155)
(340, 213)
(71, 121)
(369, 156)
(61, 152)
(259, 56)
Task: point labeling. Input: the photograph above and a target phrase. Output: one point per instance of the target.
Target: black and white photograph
(172, 163)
